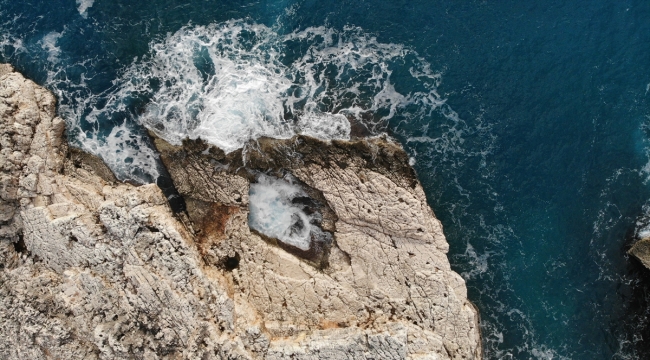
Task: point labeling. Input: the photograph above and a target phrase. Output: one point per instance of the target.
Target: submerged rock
(92, 268)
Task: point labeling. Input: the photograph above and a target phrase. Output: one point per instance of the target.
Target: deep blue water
(535, 164)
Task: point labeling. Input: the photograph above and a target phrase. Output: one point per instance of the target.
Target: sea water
(527, 122)
(274, 214)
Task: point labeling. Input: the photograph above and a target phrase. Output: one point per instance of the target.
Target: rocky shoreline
(94, 268)
(640, 247)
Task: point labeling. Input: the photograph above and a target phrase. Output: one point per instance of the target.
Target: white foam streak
(9, 41)
(48, 43)
(83, 6)
(125, 152)
(235, 82)
(323, 125)
(479, 263)
(645, 127)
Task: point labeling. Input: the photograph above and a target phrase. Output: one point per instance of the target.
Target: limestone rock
(641, 251)
(92, 268)
(386, 269)
(95, 269)
(641, 247)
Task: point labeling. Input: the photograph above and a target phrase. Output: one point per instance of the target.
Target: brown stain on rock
(214, 223)
(210, 220)
(327, 324)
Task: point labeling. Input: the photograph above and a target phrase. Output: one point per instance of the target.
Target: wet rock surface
(92, 268)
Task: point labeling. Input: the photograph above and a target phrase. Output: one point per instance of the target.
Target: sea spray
(274, 214)
(236, 81)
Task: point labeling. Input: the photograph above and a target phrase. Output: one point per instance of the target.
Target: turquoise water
(528, 124)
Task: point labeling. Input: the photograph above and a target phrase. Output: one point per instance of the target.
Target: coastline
(127, 275)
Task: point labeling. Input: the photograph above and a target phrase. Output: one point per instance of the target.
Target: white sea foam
(126, 152)
(236, 81)
(9, 42)
(48, 43)
(83, 6)
(643, 223)
(479, 263)
(273, 214)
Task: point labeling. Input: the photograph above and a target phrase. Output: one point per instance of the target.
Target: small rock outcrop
(641, 247)
(96, 269)
(641, 251)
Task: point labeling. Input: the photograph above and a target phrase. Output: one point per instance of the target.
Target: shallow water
(527, 123)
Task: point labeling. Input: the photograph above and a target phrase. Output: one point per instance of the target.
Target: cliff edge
(351, 265)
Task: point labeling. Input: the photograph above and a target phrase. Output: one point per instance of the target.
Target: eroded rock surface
(92, 268)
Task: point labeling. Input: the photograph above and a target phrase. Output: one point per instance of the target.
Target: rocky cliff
(94, 268)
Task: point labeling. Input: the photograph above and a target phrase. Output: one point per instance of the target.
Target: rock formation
(93, 268)
(641, 247)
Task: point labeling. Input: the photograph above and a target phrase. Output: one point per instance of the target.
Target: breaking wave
(237, 81)
(275, 213)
